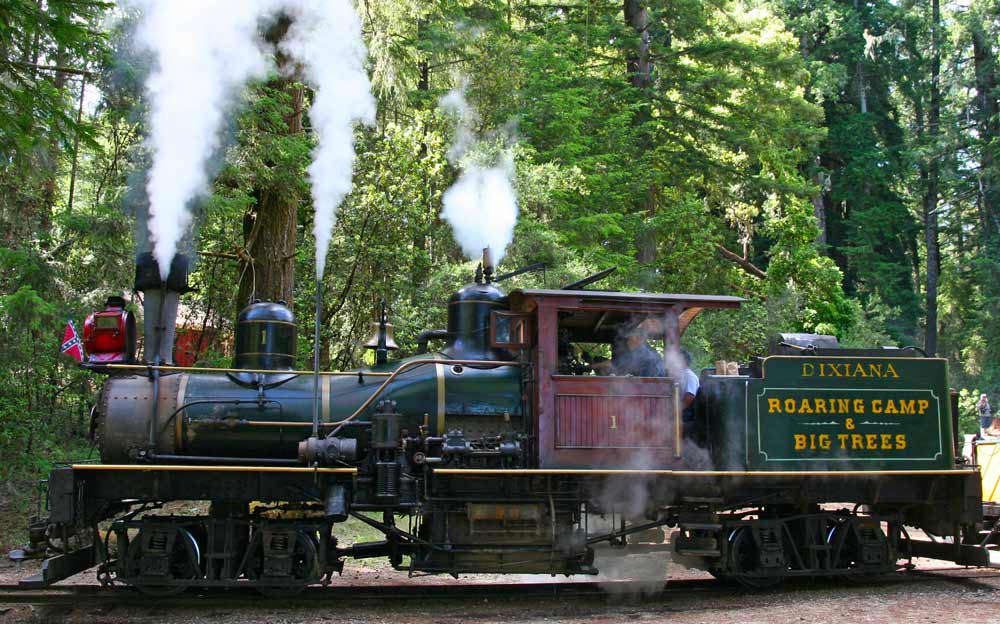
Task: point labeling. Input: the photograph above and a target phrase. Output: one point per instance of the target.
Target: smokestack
(159, 305)
(488, 264)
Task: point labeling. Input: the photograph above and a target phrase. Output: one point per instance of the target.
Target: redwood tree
(270, 227)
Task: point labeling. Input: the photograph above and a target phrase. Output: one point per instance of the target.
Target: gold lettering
(824, 441)
(859, 406)
(876, 406)
(857, 441)
(886, 441)
(922, 405)
(907, 406)
(849, 369)
(900, 441)
(800, 441)
(843, 440)
(843, 406)
(804, 407)
(849, 424)
(890, 407)
(774, 406)
(789, 406)
(820, 406)
(872, 441)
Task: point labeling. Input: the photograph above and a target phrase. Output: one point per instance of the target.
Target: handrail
(275, 423)
(408, 365)
(263, 371)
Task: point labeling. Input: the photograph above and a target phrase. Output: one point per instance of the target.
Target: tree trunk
(862, 89)
(76, 145)
(933, 175)
(819, 206)
(637, 63)
(53, 154)
(639, 69)
(988, 114)
(39, 208)
(270, 230)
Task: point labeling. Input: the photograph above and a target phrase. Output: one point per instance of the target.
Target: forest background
(835, 162)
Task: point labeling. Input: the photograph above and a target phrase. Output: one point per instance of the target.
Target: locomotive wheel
(844, 536)
(743, 559)
(305, 569)
(185, 559)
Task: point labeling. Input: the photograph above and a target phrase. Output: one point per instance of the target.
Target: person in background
(690, 385)
(985, 415)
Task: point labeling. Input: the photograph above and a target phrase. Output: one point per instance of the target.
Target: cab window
(510, 331)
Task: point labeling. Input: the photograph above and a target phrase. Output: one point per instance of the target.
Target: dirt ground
(900, 600)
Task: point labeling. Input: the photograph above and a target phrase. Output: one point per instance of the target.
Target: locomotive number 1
(614, 421)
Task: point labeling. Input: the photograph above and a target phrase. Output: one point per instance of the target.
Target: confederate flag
(71, 343)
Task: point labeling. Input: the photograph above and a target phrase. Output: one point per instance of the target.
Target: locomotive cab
(586, 419)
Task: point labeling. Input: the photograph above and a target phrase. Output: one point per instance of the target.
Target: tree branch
(219, 254)
(55, 68)
(742, 261)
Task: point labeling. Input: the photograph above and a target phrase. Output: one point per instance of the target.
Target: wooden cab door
(589, 421)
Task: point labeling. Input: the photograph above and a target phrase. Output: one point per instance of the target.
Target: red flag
(71, 344)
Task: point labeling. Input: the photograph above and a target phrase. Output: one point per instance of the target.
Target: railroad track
(97, 596)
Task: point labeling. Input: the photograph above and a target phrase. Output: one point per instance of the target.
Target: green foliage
(30, 403)
(43, 49)
(968, 413)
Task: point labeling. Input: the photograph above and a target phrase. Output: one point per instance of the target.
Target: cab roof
(637, 298)
(601, 314)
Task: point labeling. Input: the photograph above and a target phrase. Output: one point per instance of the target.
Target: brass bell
(390, 342)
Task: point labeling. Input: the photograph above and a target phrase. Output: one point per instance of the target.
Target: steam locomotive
(502, 451)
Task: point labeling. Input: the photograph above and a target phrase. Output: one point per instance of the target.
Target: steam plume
(326, 36)
(205, 50)
(482, 205)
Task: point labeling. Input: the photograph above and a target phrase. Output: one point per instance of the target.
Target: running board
(61, 567)
(962, 554)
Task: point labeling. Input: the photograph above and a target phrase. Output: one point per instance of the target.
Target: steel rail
(82, 595)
